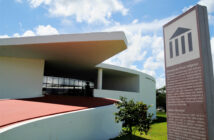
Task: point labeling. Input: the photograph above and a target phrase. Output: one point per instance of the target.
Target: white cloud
(83, 10)
(138, 43)
(160, 81)
(39, 30)
(141, 27)
(152, 64)
(155, 62)
(46, 30)
(145, 48)
(4, 36)
(36, 3)
(209, 4)
(28, 33)
(16, 35)
(211, 19)
(66, 22)
(135, 21)
(212, 44)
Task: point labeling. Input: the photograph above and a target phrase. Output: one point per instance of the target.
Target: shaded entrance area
(14, 111)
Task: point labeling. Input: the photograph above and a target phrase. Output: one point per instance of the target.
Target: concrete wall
(147, 93)
(115, 94)
(121, 83)
(20, 78)
(90, 124)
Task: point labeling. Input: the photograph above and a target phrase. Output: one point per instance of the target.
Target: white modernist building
(26, 61)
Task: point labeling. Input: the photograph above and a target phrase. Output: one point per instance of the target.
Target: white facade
(20, 77)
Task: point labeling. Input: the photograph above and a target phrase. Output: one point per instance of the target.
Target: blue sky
(141, 20)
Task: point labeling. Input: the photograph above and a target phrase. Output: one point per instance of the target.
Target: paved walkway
(13, 111)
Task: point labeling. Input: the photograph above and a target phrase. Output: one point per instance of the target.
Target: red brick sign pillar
(189, 77)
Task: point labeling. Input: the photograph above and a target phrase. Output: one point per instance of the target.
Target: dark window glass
(60, 81)
(190, 41)
(66, 81)
(76, 83)
(71, 82)
(183, 44)
(170, 49)
(176, 47)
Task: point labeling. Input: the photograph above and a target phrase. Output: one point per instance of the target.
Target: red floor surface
(13, 111)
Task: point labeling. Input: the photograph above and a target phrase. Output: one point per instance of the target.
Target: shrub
(134, 116)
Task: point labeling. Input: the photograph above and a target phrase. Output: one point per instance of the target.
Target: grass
(158, 130)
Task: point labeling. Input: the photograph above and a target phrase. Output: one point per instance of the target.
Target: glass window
(71, 82)
(190, 41)
(183, 44)
(176, 47)
(80, 83)
(76, 83)
(55, 81)
(66, 81)
(170, 49)
(61, 81)
(49, 81)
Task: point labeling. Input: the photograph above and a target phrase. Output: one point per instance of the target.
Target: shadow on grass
(127, 137)
(159, 120)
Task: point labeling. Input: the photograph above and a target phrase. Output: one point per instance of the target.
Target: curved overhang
(68, 53)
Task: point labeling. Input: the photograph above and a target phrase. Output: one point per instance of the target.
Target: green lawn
(158, 130)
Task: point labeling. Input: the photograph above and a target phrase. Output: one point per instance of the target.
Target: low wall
(114, 94)
(89, 124)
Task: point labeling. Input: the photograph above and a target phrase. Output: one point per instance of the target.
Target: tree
(161, 90)
(161, 98)
(134, 116)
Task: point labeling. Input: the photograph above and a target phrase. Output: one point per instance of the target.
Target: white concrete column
(100, 78)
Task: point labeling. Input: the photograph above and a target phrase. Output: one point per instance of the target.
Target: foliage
(134, 116)
(161, 90)
(158, 130)
(161, 98)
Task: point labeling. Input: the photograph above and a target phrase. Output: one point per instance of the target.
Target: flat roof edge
(61, 38)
